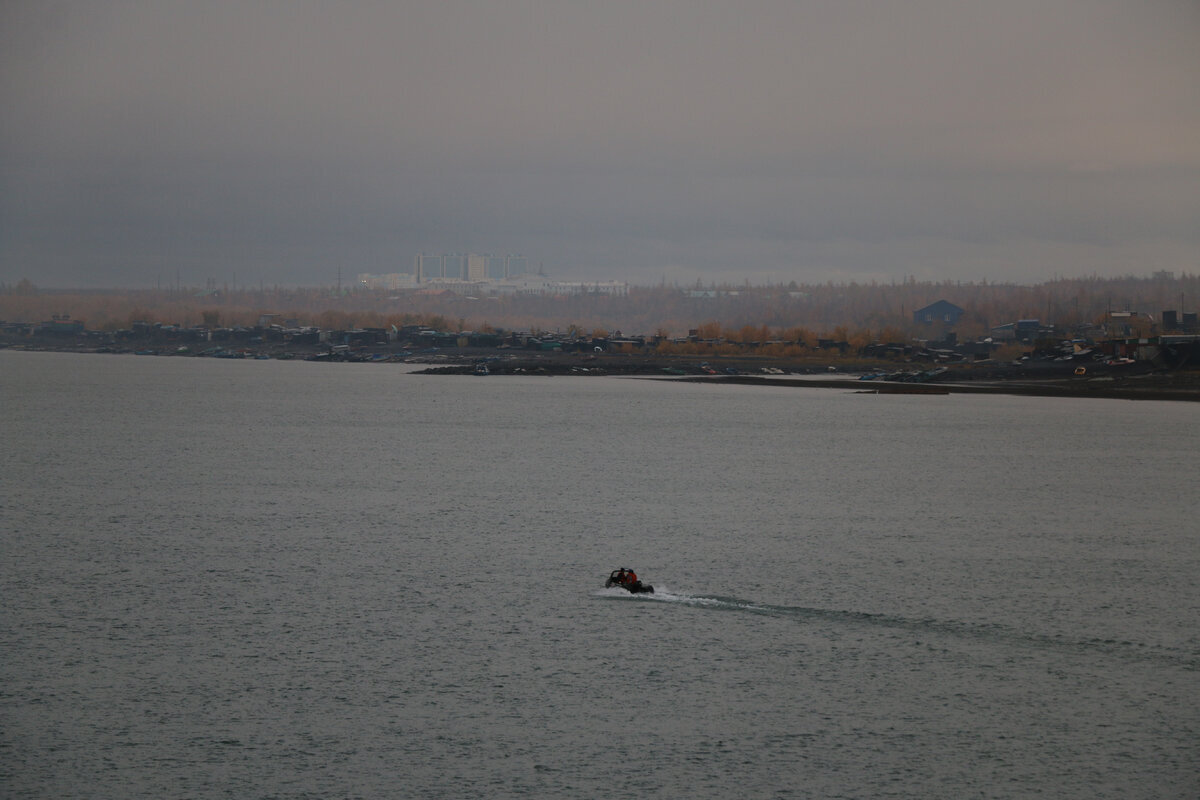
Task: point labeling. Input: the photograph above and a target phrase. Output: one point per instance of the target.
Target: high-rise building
(469, 267)
(454, 266)
(516, 265)
(428, 267)
(476, 267)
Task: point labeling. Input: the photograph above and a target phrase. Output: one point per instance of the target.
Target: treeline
(851, 311)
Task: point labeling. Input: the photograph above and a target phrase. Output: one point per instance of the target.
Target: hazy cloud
(843, 140)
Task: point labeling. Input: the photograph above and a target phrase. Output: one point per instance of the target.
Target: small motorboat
(627, 579)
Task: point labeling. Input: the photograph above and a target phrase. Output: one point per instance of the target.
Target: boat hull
(637, 587)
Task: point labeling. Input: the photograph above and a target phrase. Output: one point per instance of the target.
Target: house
(942, 311)
(1023, 330)
(61, 326)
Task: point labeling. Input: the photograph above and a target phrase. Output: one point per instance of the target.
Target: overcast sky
(768, 140)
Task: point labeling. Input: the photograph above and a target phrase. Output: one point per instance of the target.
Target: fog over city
(761, 141)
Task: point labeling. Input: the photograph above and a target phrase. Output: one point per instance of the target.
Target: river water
(273, 579)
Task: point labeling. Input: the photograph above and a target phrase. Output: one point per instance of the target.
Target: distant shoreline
(1138, 381)
(1149, 389)
(1132, 382)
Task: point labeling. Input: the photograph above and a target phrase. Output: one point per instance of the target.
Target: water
(279, 579)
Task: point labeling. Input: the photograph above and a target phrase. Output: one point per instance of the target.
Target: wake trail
(926, 626)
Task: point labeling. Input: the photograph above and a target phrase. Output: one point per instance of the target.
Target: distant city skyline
(150, 143)
(489, 272)
(468, 266)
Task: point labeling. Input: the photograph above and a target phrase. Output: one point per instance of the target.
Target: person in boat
(627, 579)
(622, 577)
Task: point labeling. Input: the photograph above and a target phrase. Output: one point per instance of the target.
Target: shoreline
(1137, 381)
(1116, 390)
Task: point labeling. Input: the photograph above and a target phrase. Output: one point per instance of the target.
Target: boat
(627, 579)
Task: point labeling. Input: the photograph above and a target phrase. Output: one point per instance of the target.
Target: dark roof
(941, 306)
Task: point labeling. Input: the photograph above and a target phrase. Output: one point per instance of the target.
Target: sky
(154, 142)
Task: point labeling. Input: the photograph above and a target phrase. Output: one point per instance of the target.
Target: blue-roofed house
(943, 311)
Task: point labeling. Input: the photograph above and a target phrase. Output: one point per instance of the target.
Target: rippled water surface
(279, 579)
